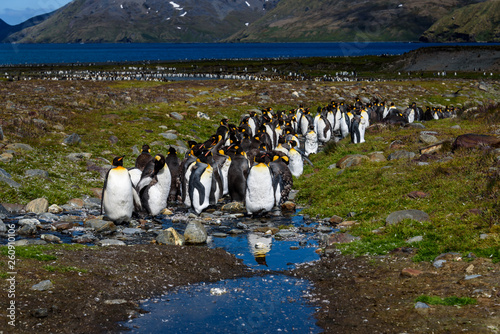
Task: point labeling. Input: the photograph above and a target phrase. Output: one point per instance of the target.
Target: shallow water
(269, 304)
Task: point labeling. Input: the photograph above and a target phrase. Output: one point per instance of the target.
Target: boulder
(377, 156)
(195, 233)
(39, 205)
(51, 238)
(176, 116)
(234, 207)
(110, 242)
(19, 147)
(351, 160)
(399, 216)
(36, 173)
(43, 286)
(427, 139)
(170, 237)
(100, 225)
(54, 208)
(472, 140)
(72, 139)
(401, 154)
(341, 238)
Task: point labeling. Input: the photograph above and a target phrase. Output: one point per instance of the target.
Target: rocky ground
(95, 288)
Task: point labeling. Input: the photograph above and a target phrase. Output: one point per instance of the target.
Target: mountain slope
(348, 20)
(145, 21)
(474, 23)
(7, 29)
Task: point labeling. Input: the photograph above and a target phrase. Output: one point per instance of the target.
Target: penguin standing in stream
(154, 196)
(259, 195)
(200, 184)
(119, 197)
(237, 175)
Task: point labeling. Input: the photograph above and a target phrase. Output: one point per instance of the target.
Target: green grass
(38, 252)
(374, 190)
(448, 301)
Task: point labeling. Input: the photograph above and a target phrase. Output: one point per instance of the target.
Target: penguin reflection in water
(119, 197)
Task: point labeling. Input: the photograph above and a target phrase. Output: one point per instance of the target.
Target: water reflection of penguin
(260, 245)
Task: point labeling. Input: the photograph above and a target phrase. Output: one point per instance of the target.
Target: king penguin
(237, 175)
(174, 163)
(311, 143)
(296, 163)
(118, 194)
(200, 184)
(154, 196)
(259, 195)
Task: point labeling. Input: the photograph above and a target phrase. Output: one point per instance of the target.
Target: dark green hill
(347, 20)
(145, 21)
(474, 23)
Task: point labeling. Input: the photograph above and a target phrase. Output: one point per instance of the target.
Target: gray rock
(54, 208)
(43, 286)
(170, 237)
(84, 239)
(51, 238)
(421, 305)
(36, 173)
(100, 225)
(10, 182)
(78, 156)
(285, 234)
(28, 221)
(176, 116)
(377, 156)
(416, 125)
(219, 235)
(324, 229)
(3, 172)
(6, 157)
(352, 160)
(401, 154)
(3, 227)
(399, 216)
(115, 301)
(483, 236)
(169, 136)
(236, 231)
(27, 229)
(438, 263)
(195, 233)
(110, 242)
(19, 147)
(415, 239)
(1, 134)
(72, 139)
(469, 277)
(29, 242)
(332, 166)
(427, 139)
(233, 207)
(132, 230)
(456, 127)
(39, 205)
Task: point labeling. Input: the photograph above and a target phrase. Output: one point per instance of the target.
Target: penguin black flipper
(194, 182)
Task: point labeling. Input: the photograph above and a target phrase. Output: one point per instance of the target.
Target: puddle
(270, 253)
(269, 304)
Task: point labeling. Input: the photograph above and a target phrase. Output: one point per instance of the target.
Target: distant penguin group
(253, 163)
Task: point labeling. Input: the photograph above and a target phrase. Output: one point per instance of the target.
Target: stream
(268, 302)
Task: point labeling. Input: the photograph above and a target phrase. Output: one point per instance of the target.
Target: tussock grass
(448, 301)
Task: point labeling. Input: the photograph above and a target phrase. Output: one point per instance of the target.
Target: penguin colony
(253, 163)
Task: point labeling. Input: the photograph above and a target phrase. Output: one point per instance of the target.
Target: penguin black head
(118, 161)
(159, 162)
(191, 143)
(224, 122)
(146, 148)
(172, 151)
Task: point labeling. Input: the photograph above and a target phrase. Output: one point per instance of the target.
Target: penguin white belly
(296, 164)
(311, 144)
(206, 182)
(158, 193)
(224, 173)
(135, 175)
(118, 200)
(260, 192)
(344, 129)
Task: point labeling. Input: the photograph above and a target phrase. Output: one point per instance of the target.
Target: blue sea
(15, 54)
